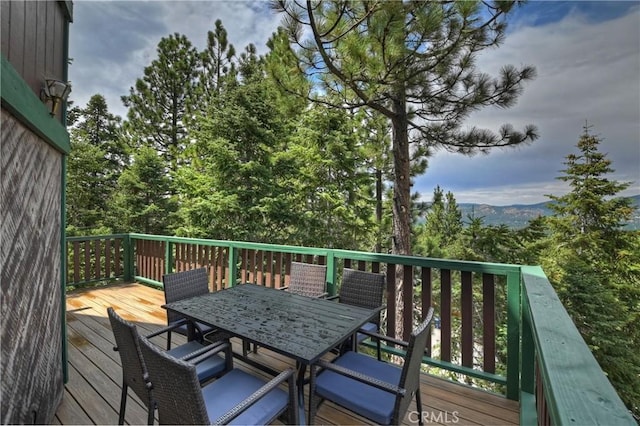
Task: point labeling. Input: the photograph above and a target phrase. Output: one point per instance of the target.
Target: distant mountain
(518, 215)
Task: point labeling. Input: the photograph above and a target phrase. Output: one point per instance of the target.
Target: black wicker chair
(182, 285)
(307, 279)
(236, 397)
(363, 289)
(379, 391)
(134, 373)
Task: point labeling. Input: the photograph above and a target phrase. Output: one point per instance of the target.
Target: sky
(586, 53)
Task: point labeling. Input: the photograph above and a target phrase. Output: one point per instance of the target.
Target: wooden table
(298, 327)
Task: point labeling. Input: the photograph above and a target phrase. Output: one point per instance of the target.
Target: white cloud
(586, 71)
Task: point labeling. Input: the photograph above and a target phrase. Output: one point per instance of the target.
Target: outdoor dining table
(299, 327)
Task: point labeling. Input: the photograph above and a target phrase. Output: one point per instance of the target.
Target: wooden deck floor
(92, 394)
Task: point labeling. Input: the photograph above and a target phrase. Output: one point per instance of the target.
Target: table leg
(302, 369)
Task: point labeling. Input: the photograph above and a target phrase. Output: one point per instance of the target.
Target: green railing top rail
(459, 265)
(577, 390)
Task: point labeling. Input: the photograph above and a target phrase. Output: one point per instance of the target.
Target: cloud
(587, 72)
(113, 41)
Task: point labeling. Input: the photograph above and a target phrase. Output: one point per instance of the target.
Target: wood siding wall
(32, 37)
(31, 311)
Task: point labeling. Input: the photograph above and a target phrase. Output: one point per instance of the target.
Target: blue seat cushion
(207, 369)
(184, 331)
(370, 327)
(368, 401)
(236, 386)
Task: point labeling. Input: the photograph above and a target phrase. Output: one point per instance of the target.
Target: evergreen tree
(592, 263)
(141, 202)
(94, 165)
(217, 61)
(159, 102)
(413, 62)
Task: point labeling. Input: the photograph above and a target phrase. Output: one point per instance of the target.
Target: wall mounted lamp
(55, 91)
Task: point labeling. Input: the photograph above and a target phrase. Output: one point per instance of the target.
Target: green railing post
(128, 258)
(331, 273)
(233, 265)
(514, 315)
(528, 412)
(168, 257)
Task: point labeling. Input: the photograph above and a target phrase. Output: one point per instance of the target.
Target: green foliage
(413, 63)
(94, 164)
(593, 264)
(159, 102)
(141, 202)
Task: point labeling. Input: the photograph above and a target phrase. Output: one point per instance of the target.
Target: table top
(297, 326)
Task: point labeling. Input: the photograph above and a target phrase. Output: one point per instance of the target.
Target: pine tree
(592, 262)
(141, 202)
(96, 160)
(159, 102)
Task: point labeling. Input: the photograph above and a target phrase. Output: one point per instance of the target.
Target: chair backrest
(182, 285)
(308, 279)
(175, 386)
(410, 377)
(361, 288)
(127, 344)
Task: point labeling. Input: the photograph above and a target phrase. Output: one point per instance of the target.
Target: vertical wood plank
(5, 27)
(260, 267)
(16, 42)
(116, 252)
(391, 300)
(347, 263)
(287, 267)
(98, 259)
(87, 260)
(269, 270)
(362, 265)
(445, 319)
(427, 292)
(76, 261)
(407, 302)
(107, 258)
(278, 270)
(489, 322)
(375, 267)
(466, 302)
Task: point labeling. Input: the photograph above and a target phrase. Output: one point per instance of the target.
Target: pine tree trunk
(401, 199)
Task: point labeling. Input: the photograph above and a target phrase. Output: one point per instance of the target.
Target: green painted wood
(490, 377)
(513, 335)
(576, 389)
(19, 100)
(528, 352)
(528, 413)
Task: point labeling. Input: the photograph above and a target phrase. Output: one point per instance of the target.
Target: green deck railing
(547, 366)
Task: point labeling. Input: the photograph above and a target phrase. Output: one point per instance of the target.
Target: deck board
(92, 395)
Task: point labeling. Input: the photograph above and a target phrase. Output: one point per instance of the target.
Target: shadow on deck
(92, 395)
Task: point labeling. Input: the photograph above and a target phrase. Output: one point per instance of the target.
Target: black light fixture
(55, 91)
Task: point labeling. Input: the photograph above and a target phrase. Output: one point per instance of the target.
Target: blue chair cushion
(236, 386)
(371, 327)
(207, 369)
(183, 329)
(368, 401)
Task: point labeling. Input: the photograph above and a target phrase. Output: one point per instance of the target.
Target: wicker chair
(307, 279)
(379, 391)
(182, 285)
(237, 396)
(363, 289)
(134, 373)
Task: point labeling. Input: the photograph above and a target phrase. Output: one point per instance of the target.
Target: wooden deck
(92, 395)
